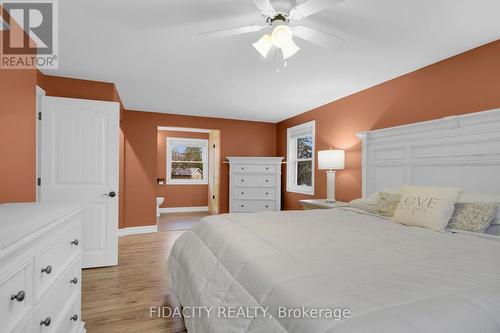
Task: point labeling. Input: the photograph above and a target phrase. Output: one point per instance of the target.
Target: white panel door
(79, 162)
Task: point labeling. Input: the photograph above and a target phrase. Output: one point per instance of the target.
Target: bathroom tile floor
(179, 221)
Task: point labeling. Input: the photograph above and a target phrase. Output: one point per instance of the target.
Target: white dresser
(254, 184)
(40, 268)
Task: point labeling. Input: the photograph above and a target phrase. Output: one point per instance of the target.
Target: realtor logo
(29, 34)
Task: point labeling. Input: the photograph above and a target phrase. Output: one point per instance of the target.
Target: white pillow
(368, 204)
(426, 206)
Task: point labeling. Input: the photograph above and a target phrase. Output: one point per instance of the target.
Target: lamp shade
(331, 159)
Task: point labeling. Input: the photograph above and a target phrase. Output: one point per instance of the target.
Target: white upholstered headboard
(458, 151)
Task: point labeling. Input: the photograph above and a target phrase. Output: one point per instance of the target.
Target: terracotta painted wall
(244, 138)
(17, 135)
(178, 195)
(17, 130)
(466, 83)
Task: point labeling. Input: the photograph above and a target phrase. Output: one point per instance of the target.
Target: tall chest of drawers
(40, 268)
(254, 184)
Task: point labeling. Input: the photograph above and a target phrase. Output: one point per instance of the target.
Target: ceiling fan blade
(265, 7)
(233, 31)
(311, 7)
(317, 37)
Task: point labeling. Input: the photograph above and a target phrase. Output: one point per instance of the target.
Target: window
(187, 161)
(300, 158)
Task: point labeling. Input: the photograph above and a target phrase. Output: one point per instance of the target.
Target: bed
(273, 269)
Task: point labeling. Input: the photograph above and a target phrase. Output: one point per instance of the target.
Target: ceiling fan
(278, 17)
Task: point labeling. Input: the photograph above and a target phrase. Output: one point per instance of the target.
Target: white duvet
(392, 278)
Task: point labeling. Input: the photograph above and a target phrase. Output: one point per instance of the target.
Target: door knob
(111, 194)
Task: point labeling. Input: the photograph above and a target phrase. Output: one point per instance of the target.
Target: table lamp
(331, 160)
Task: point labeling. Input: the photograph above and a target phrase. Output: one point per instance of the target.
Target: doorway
(188, 168)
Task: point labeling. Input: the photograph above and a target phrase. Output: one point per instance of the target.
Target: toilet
(159, 201)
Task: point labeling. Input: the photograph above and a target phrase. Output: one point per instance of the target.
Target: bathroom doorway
(188, 168)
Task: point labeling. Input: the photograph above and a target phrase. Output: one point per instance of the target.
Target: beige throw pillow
(387, 204)
(473, 216)
(427, 207)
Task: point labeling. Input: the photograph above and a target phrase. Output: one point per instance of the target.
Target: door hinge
(39, 116)
(39, 181)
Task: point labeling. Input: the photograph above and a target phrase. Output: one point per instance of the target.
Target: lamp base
(330, 186)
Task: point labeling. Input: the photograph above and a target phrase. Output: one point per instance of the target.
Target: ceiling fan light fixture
(263, 45)
(289, 49)
(281, 36)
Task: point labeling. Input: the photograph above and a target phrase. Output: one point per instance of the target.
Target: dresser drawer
(255, 168)
(254, 205)
(16, 297)
(62, 292)
(52, 261)
(26, 326)
(70, 321)
(254, 193)
(255, 180)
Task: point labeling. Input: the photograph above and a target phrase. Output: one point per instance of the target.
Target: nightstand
(321, 204)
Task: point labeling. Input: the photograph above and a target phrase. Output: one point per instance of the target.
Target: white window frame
(293, 133)
(203, 143)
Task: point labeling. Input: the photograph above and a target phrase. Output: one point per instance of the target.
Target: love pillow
(426, 206)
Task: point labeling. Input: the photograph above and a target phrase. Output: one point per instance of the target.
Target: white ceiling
(151, 50)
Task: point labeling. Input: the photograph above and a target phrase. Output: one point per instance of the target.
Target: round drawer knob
(267, 168)
(242, 206)
(75, 242)
(74, 317)
(242, 180)
(47, 269)
(267, 193)
(18, 297)
(267, 180)
(242, 192)
(267, 206)
(242, 168)
(45, 322)
(74, 280)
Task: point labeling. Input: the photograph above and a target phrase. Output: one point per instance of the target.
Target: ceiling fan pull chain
(277, 53)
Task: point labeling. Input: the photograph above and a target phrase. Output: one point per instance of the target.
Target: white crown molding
(137, 230)
(184, 209)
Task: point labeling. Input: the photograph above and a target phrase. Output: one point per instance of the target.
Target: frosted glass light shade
(289, 49)
(263, 45)
(331, 159)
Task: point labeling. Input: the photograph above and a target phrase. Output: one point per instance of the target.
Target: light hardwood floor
(118, 299)
(179, 221)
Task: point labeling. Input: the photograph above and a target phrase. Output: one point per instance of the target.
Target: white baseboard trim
(137, 230)
(184, 209)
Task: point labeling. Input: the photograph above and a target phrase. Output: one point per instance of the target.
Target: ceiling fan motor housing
(278, 19)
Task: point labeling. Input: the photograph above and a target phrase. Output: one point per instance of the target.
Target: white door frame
(39, 94)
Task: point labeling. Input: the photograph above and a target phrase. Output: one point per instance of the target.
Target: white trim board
(184, 209)
(184, 129)
(137, 230)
